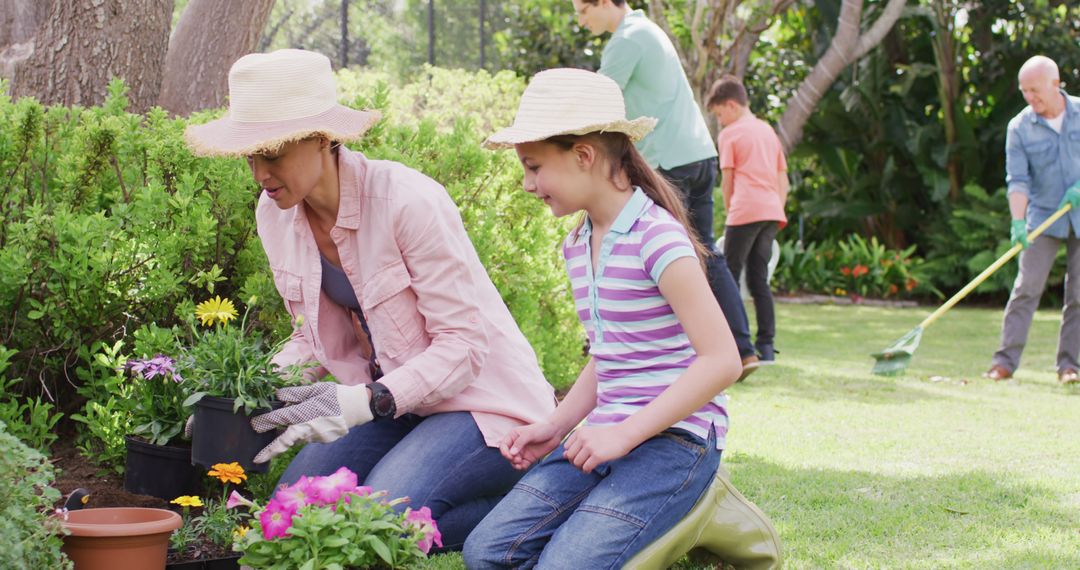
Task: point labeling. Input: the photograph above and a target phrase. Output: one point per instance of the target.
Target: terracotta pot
(163, 471)
(220, 435)
(120, 538)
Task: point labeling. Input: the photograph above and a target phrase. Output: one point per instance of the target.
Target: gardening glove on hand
(1072, 197)
(323, 412)
(1018, 233)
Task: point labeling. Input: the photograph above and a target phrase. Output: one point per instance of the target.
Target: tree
(76, 52)
(19, 20)
(209, 37)
(848, 45)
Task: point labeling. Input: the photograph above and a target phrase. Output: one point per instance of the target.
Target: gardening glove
(322, 412)
(1018, 233)
(1072, 197)
(189, 426)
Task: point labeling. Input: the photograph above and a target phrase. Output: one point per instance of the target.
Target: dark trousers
(695, 182)
(749, 246)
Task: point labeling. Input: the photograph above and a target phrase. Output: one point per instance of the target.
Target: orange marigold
(228, 472)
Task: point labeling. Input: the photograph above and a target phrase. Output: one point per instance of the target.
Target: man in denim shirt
(1042, 163)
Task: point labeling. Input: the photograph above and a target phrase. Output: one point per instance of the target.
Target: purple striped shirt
(635, 339)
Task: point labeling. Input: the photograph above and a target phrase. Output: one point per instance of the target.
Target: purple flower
(159, 365)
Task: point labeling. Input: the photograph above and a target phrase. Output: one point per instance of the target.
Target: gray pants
(1035, 264)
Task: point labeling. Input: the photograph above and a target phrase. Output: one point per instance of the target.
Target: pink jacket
(443, 336)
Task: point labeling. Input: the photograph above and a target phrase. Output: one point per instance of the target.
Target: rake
(895, 359)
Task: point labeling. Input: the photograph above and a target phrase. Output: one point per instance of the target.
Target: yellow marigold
(228, 472)
(216, 310)
(187, 501)
(240, 532)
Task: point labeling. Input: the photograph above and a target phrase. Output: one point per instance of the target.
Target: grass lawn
(936, 468)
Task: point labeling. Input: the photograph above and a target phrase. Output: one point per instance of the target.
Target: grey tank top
(337, 286)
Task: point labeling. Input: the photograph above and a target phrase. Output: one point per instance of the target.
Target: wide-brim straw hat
(567, 101)
(277, 98)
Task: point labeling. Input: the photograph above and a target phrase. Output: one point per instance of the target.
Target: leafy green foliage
(30, 420)
(29, 537)
(854, 266)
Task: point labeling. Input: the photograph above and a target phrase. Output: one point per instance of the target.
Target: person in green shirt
(643, 61)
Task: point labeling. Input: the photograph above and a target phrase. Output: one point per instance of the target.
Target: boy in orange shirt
(755, 188)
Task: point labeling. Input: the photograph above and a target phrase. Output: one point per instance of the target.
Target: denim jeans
(696, 182)
(749, 246)
(439, 461)
(558, 517)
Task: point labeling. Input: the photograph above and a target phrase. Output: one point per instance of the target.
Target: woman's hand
(526, 445)
(590, 446)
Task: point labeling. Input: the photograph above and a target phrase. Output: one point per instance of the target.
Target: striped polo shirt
(637, 343)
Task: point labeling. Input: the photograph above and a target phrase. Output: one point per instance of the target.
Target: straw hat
(277, 98)
(569, 102)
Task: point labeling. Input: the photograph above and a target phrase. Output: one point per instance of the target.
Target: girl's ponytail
(624, 157)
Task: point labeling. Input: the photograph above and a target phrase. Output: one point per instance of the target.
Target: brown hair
(623, 157)
(595, 2)
(727, 88)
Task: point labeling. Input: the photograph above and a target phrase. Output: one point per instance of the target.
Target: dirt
(106, 488)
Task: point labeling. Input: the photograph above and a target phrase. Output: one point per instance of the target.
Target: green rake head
(895, 359)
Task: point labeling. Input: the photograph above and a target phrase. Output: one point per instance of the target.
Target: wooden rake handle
(1005, 257)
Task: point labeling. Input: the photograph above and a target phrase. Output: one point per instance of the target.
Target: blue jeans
(558, 517)
(439, 461)
(695, 183)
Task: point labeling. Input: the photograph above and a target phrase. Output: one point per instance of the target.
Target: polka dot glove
(322, 412)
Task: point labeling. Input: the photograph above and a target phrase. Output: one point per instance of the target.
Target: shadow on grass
(794, 382)
(830, 518)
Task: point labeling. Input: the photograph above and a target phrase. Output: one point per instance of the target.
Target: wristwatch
(382, 401)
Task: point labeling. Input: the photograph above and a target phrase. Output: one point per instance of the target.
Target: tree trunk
(19, 20)
(83, 44)
(210, 36)
(846, 47)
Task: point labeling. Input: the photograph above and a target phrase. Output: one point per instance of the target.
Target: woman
(431, 371)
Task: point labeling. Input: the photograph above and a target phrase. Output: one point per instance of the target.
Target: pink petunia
(236, 500)
(276, 519)
(425, 525)
(362, 491)
(326, 490)
(296, 495)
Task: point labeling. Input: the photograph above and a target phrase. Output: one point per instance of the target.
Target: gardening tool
(895, 359)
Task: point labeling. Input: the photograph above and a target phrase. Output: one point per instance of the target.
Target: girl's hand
(526, 445)
(590, 446)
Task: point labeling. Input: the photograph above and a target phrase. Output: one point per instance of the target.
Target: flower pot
(119, 538)
(226, 563)
(220, 435)
(163, 471)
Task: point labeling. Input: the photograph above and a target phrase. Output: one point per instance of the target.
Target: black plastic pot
(220, 435)
(227, 563)
(163, 471)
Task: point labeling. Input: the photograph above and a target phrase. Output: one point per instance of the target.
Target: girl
(650, 400)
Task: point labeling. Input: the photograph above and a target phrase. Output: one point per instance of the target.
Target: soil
(107, 490)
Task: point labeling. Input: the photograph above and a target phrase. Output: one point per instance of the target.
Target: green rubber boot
(723, 527)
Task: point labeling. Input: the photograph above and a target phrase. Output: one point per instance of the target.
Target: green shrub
(29, 419)
(29, 538)
(108, 223)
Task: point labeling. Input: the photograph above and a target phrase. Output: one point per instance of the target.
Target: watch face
(384, 404)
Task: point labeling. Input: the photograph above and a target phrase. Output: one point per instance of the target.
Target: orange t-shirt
(751, 148)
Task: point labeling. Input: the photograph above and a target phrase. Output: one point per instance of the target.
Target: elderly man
(1042, 163)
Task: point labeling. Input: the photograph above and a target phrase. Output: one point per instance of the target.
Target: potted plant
(158, 463)
(330, 522)
(205, 540)
(233, 379)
